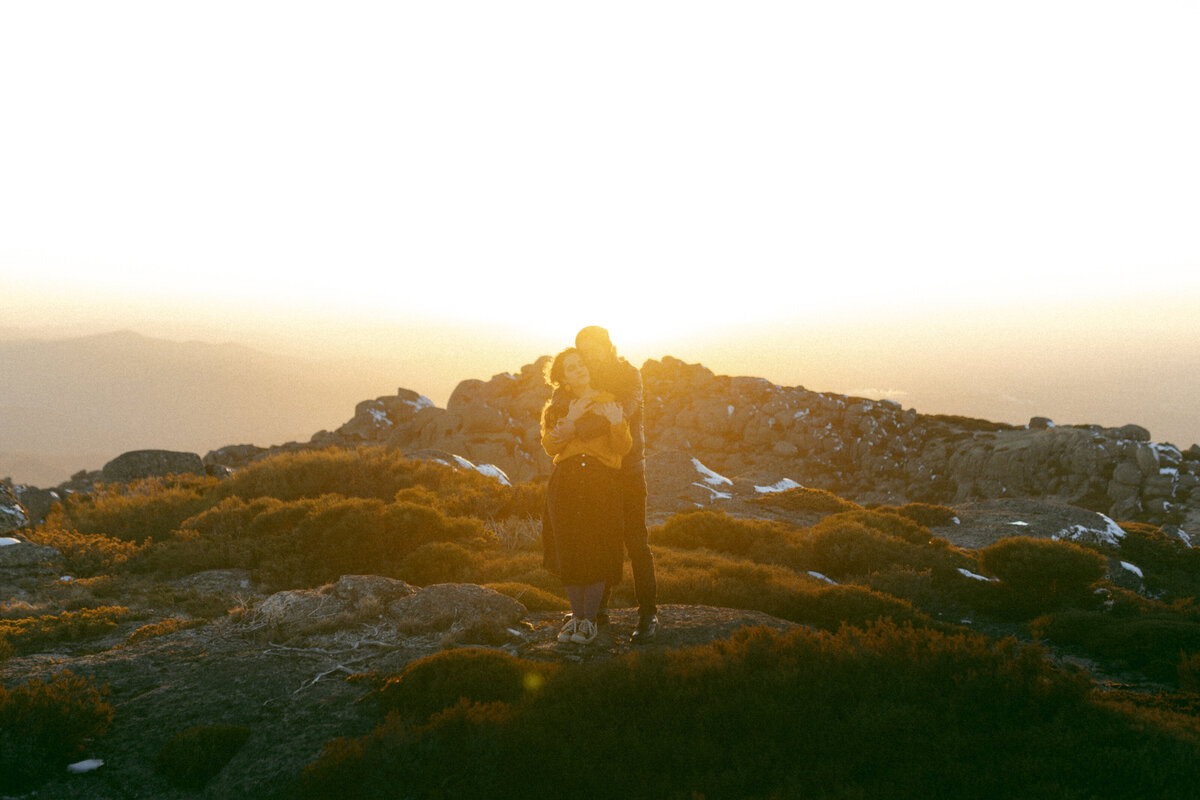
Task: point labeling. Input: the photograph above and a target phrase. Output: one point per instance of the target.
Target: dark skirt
(582, 539)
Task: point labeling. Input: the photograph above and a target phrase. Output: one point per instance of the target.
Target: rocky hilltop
(712, 439)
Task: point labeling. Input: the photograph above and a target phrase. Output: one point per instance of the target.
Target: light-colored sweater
(609, 448)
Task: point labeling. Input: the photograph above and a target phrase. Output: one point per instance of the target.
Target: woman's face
(576, 372)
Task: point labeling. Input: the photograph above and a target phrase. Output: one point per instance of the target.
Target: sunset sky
(850, 196)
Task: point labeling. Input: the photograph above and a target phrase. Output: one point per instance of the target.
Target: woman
(584, 430)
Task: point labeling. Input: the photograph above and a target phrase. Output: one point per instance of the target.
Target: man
(611, 373)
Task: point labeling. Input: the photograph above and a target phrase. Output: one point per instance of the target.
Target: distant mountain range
(73, 404)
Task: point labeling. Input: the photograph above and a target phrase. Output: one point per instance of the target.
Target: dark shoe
(645, 630)
(602, 619)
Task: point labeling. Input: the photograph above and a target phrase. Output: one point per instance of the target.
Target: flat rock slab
(987, 522)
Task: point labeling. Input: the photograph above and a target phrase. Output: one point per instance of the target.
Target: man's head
(595, 346)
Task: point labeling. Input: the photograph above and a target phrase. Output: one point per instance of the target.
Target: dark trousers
(637, 541)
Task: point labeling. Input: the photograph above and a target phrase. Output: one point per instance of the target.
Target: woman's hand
(578, 409)
(611, 412)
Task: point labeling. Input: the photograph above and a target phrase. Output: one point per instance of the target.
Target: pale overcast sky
(525, 164)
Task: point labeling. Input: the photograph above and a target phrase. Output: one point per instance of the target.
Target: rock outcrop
(139, 464)
(13, 514)
(756, 435)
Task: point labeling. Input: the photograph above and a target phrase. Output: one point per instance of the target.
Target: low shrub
(377, 473)
(134, 512)
(1171, 569)
(438, 562)
(802, 498)
(891, 523)
(46, 724)
(195, 756)
(28, 634)
(307, 542)
(478, 675)
(885, 711)
(162, 628)
(707, 579)
(531, 597)
(925, 514)
(1040, 575)
(1159, 644)
(842, 549)
(767, 542)
(84, 554)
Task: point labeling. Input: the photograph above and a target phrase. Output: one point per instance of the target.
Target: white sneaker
(567, 634)
(585, 632)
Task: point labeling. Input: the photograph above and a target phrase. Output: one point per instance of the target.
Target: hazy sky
(677, 171)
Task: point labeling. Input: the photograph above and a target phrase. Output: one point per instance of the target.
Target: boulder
(351, 597)
(234, 455)
(19, 553)
(37, 501)
(139, 464)
(1134, 433)
(13, 515)
(464, 609)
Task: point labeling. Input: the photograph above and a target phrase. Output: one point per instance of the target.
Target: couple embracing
(596, 498)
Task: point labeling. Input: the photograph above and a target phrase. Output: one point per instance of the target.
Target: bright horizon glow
(681, 173)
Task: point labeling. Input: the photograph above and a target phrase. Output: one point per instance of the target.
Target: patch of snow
(821, 577)
(1021, 523)
(85, 766)
(973, 576)
(379, 416)
(714, 494)
(781, 486)
(729, 411)
(1168, 451)
(710, 477)
(1111, 533)
(492, 471)
(66, 579)
(1132, 569)
(1183, 537)
(419, 403)
(956, 521)
(804, 412)
(489, 470)
(1169, 471)
(7, 540)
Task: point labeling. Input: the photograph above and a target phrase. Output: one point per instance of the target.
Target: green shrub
(1040, 575)
(307, 542)
(134, 512)
(28, 634)
(802, 498)
(706, 579)
(925, 514)
(196, 755)
(841, 549)
(891, 523)
(1156, 644)
(438, 562)
(162, 628)
(440, 681)
(885, 711)
(1171, 568)
(768, 542)
(46, 724)
(1189, 673)
(84, 554)
(424, 760)
(531, 597)
(374, 473)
